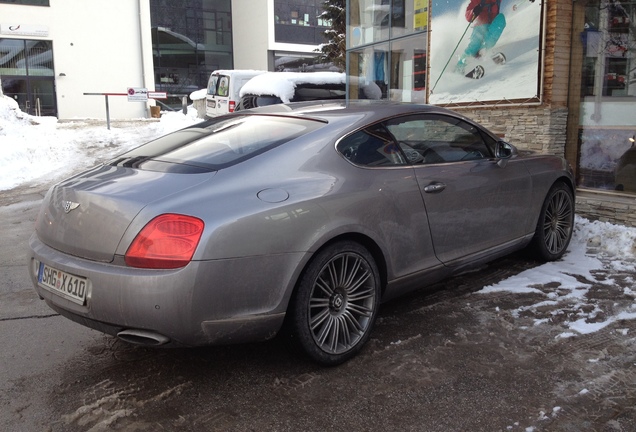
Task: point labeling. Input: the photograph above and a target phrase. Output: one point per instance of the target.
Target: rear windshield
(216, 144)
(212, 83)
(219, 85)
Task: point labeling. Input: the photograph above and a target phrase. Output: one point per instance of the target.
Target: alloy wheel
(342, 303)
(557, 225)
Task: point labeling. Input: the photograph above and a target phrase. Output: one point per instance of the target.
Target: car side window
(372, 147)
(430, 139)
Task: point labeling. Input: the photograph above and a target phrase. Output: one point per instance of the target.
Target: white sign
(137, 94)
(157, 95)
(24, 30)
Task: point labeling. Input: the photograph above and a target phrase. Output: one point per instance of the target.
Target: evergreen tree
(334, 50)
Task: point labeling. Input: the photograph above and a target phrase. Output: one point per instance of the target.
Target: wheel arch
(568, 182)
(362, 239)
(296, 326)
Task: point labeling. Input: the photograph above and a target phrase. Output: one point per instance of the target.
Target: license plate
(65, 284)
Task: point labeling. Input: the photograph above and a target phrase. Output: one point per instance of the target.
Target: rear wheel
(336, 303)
(555, 225)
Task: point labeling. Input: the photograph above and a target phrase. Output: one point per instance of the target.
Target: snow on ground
(597, 249)
(42, 151)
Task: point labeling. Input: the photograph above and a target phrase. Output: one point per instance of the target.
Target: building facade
(555, 76)
(52, 52)
(278, 35)
(190, 39)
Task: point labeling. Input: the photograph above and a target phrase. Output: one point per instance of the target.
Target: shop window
(27, 2)
(395, 70)
(607, 124)
(408, 70)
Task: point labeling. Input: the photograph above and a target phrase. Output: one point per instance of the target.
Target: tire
(556, 222)
(335, 304)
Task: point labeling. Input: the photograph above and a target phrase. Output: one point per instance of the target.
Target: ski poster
(485, 51)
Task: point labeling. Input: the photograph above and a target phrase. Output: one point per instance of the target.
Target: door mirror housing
(503, 152)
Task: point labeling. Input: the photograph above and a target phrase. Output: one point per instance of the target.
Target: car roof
(360, 111)
(371, 109)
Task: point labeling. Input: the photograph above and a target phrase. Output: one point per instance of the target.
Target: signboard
(137, 94)
(485, 54)
(157, 95)
(24, 30)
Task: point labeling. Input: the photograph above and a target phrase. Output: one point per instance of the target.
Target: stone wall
(535, 128)
(607, 207)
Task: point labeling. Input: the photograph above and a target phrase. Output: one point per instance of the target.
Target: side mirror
(503, 152)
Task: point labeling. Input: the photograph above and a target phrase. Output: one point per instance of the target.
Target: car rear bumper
(204, 303)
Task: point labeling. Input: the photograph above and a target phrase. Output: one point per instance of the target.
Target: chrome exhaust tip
(142, 337)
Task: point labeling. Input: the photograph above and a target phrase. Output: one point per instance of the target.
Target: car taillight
(166, 242)
(232, 105)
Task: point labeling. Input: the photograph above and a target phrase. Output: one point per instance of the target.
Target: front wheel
(336, 302)
(555, 225)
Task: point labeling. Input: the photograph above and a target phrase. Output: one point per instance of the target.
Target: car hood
(87, 215)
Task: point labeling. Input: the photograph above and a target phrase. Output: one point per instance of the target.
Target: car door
(474, 204)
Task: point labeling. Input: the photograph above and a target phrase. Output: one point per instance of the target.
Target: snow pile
(12, 120)
(42, 150)
(198, 94)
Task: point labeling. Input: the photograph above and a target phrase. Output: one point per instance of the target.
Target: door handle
(435, 188)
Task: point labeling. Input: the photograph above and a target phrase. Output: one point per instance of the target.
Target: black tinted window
(371, 147)
(217, 143)
(438, 139)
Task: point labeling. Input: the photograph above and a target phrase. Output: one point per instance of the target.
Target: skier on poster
(488, 24)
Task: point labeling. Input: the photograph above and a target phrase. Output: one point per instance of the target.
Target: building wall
(254, 36)
(99, 47)
(252, 23)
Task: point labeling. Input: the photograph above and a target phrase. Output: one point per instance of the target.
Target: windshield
(216, 144)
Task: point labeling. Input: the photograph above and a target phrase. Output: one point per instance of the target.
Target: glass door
(27, 74)
(35, 96)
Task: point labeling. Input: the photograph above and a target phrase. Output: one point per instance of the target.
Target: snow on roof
(282, 84)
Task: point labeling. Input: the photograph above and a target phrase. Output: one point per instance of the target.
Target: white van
(223, 90)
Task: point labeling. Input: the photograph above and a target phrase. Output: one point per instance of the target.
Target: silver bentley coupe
(299, 219)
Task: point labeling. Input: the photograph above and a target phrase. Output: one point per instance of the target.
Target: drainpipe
(141, 43)
(141, 51)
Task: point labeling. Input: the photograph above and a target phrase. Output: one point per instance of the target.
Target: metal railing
(184, 103)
